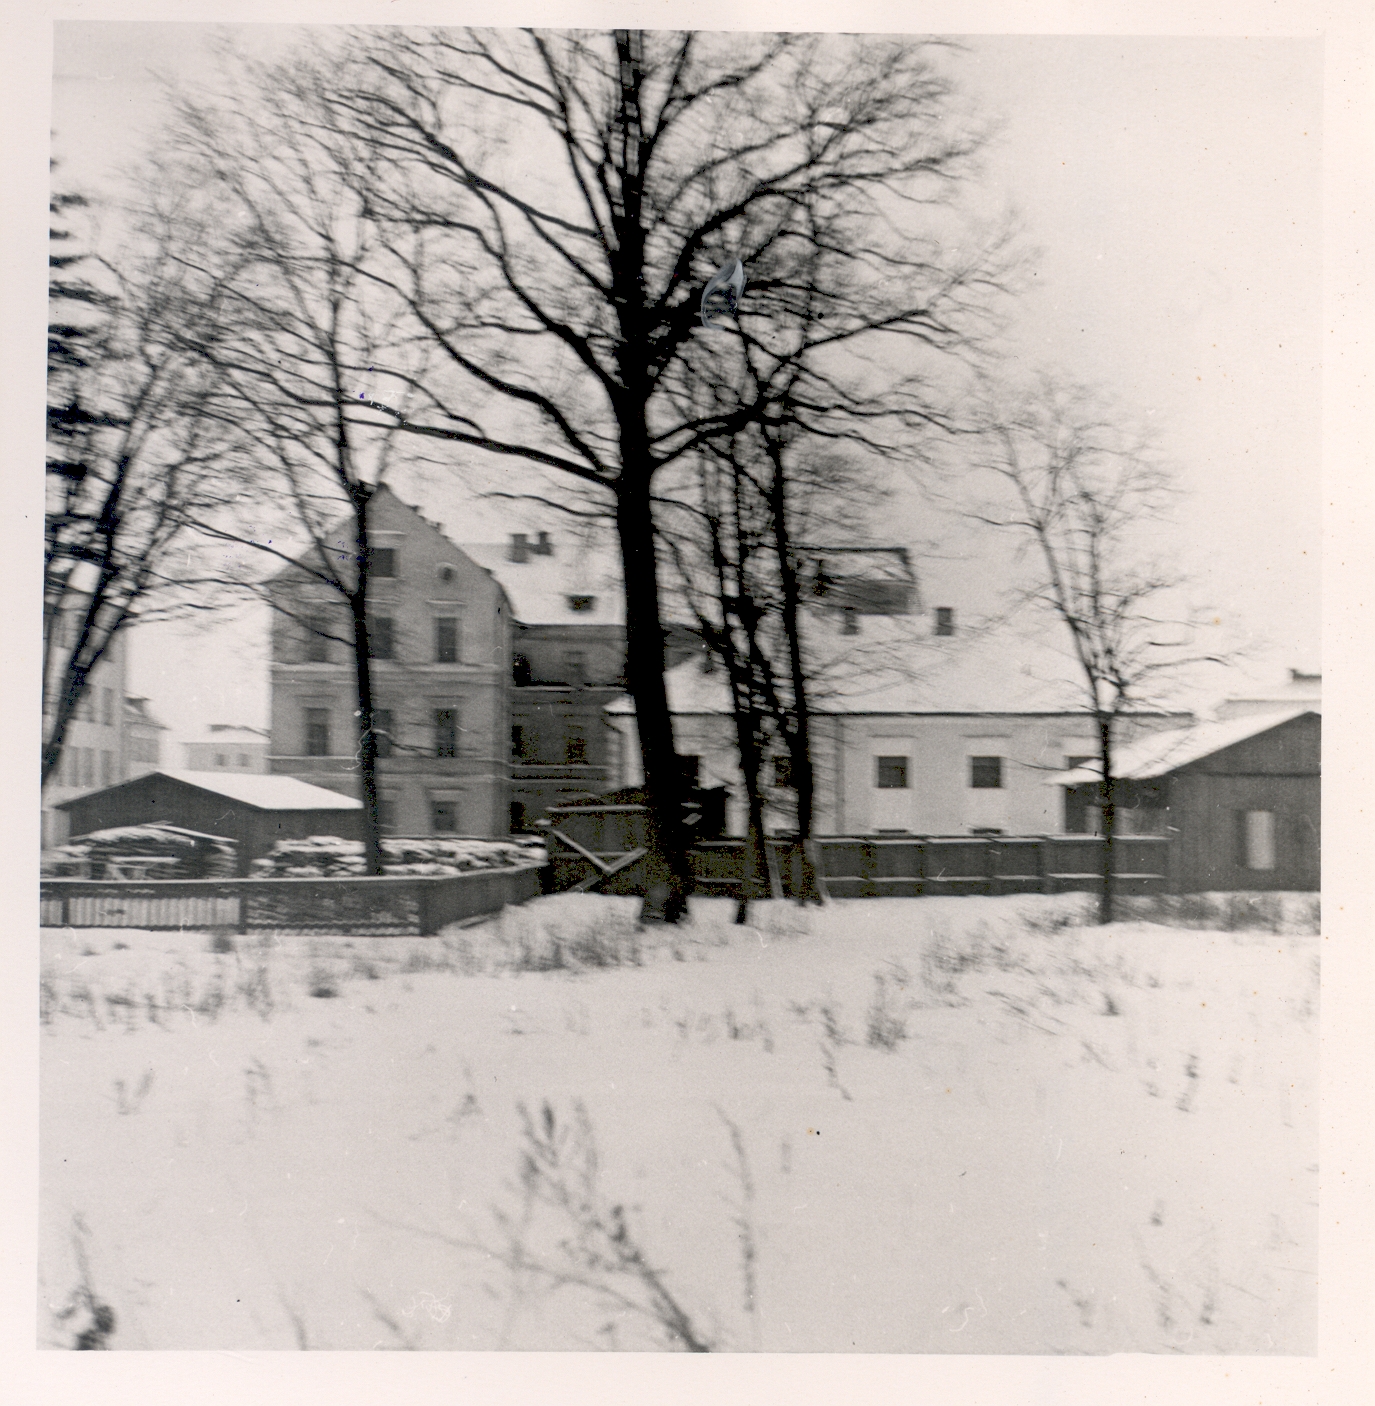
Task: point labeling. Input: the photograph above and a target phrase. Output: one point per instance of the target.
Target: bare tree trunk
(1108, 812)
(361, 494)
(668, 873)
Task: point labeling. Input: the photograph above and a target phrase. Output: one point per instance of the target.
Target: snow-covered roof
(1164, 752)
(262, 792)
(894, 665)
(540, 587)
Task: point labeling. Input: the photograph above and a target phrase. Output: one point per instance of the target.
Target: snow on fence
(391, 906)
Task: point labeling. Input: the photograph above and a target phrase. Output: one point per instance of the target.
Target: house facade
(441, 678)
(241, 750)
(96, 747)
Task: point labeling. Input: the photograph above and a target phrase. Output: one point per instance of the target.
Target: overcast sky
(1172, 186)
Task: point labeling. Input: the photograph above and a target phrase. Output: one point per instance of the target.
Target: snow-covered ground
(930, 1125)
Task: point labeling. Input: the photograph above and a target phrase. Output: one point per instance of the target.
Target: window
(444, 817)
(317, 646)
(986, 773)
(221, 759)
(106, 767)
(241, 761)
(692, 770)
(317, 732)
(88, 766)
(575, 744)
(445, 732)
(1073, 763)
(382, 562)
(381, 638)
(1257, 839)
(574, 665)
(849, 621)
(381, 731)
(580, 604)
(446, 640)
(783, 771)
(890, 773)
(517, 742)
(446, 574)
(517, 817)
(945, 620)
(107, 710)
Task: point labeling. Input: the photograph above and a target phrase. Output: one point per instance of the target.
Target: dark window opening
(984, 830)
(517, 817)
(317, 646)
(575, 745)
(447, 574)
(382, 731)
(945, 620)
(444, 817)
(382, 562)
(317, 732)
(692, 770)
(446, 640)
(382, 638)
(445, 732)
(581, 603)
(890, 773)
(517, 742)
(986, 773)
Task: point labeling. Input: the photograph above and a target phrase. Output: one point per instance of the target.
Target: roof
(539, 587)
(895, 666)
(1164, 752)
(260, 792)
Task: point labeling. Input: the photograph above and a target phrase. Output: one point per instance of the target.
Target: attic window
(581, 604)
(446, 574)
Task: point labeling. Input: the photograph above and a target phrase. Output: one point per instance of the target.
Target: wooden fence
(393, 905)
(603, 848)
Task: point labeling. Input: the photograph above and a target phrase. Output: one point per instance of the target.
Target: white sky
(1172, 186)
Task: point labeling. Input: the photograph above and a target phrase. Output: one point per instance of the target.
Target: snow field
(927, 1125)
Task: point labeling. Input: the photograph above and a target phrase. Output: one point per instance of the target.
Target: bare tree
(577, 191)
(131, 449)
(267, 210)
(1084, 490)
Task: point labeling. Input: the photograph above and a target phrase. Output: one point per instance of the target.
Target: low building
(915, 730)
(1240, 799)
(241, 750)
(253, 811)
(1299, 690)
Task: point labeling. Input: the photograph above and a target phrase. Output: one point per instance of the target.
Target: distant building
(253, 811)
(144, 738)
(1299, 690)
(441, 672)
(1240, 799)
(95, 748)
(242, 750)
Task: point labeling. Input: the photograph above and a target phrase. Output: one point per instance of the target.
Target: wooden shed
(254, 811)
(1239, 799)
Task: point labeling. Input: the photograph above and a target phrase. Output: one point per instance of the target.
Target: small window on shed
(890, 773)
(1257, 839)
(986, 773)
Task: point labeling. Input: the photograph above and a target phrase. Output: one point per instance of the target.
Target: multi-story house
(568, 657)
(143, 748)
(94, 753)
(441, 672)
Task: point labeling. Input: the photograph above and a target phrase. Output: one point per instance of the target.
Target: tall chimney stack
(519, 549)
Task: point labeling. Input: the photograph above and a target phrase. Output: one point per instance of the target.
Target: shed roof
(1163, 752)
(260, 792)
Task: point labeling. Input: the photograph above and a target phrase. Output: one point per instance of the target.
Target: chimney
(544, 547)
(519, 550)
(945, 620)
